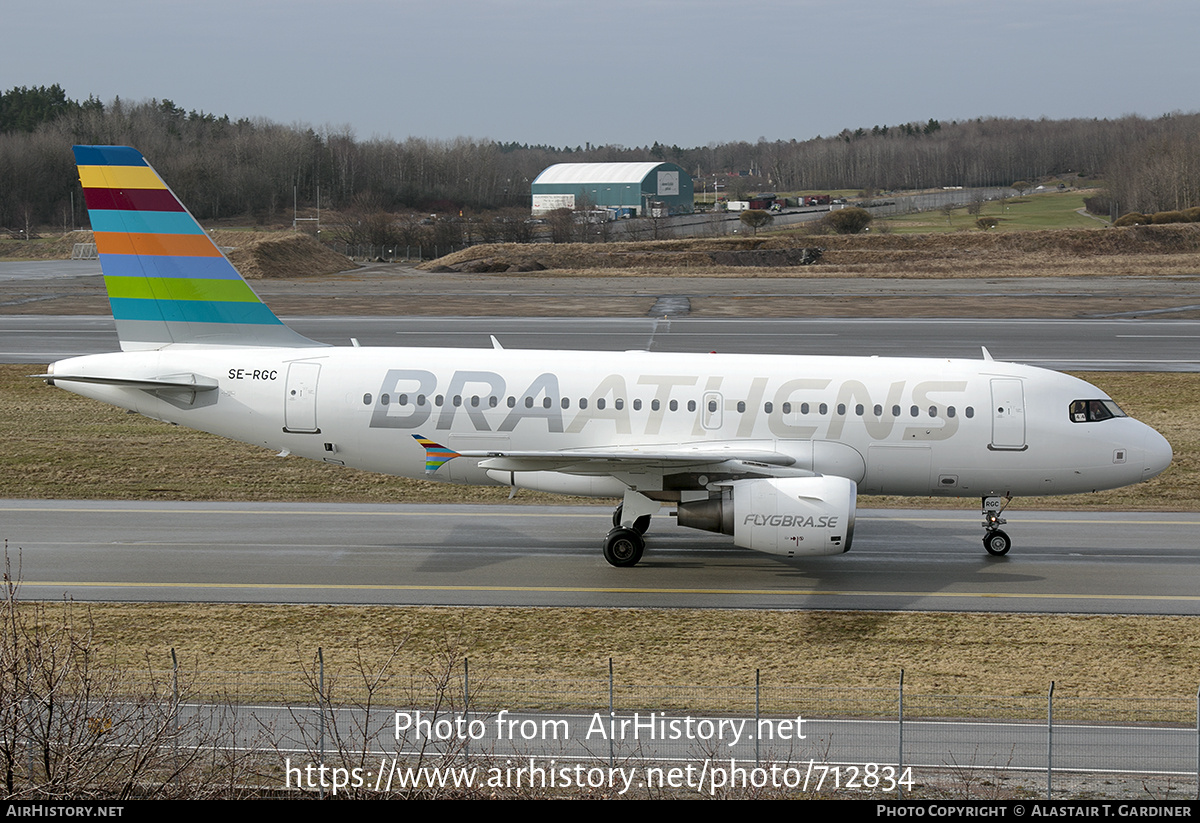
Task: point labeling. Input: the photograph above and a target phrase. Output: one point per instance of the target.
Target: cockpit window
(1092, 411)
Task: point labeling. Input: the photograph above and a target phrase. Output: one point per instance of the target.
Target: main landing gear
(623, 546)
(994, 540)
(640, 525)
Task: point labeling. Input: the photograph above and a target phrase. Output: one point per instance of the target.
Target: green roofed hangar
(622, 189)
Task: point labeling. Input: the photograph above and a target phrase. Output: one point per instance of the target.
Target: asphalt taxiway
(1086, 345)
(1061, 562)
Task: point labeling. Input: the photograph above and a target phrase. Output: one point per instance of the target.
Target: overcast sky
(567, 72)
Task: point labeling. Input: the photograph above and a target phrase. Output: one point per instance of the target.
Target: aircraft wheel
(623, 547)
(997, 543)
(640, 525)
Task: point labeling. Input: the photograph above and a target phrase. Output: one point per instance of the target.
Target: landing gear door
(300, 401)
(1008, 413)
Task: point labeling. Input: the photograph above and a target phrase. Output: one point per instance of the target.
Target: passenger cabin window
(1093, 411)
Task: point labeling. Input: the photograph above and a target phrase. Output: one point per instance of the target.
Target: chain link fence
(1045, 742)
(194, 732)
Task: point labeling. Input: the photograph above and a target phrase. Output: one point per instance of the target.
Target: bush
(756, 218)
(1192, 215)
(848, 221)
(1133, 218)
(985, 223)
(1160, 217)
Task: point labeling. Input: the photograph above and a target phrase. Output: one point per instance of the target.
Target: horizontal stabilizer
(188, 382)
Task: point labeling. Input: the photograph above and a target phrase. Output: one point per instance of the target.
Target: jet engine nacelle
(786, 515)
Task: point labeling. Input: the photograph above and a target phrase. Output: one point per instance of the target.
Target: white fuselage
(893, 425)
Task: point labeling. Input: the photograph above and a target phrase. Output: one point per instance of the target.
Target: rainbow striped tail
(167, 281)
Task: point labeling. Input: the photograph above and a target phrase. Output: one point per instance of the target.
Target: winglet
(495, 342)
(987, 355)
(167, 281)
(435, 454)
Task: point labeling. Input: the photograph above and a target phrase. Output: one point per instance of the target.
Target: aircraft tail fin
(167, 281)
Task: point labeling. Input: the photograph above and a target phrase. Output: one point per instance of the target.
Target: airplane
(772, 450)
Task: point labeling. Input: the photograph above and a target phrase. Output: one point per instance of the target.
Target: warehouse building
(622, 189)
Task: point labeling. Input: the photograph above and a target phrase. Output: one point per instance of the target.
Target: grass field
(1033, 212)
(994, 654)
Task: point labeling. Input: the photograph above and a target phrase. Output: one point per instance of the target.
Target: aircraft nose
(1158, 454)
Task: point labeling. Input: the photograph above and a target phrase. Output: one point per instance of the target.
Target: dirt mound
(662, 254)
(259, 255)
(899, 253)
(56, 247)
(256, 254)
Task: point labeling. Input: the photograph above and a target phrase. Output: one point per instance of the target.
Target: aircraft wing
(606, 460)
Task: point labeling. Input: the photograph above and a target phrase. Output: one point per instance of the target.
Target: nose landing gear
(994, 540)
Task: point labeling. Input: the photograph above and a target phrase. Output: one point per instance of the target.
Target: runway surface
(1100, 563)
(1100, 345)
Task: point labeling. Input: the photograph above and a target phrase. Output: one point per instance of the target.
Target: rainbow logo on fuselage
(436, 455)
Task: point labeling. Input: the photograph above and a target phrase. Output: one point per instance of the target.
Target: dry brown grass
(940, 653)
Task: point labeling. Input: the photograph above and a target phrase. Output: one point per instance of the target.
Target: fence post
(1049, 739)
(611, 715)
(321, 706)
(757, 706)
(28, 715)
(175, 704)
(900, 752)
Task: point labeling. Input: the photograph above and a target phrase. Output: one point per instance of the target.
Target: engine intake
(789, 516)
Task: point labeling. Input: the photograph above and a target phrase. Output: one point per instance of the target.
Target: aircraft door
(1008, 413)
(300, 401)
